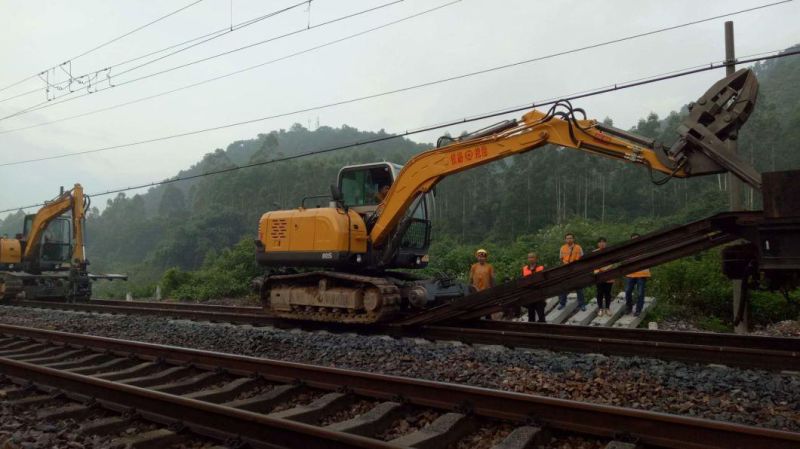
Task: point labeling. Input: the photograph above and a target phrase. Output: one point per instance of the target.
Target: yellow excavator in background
(48, 259)
(332, 263)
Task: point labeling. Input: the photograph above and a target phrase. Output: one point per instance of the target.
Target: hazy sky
(466, 36)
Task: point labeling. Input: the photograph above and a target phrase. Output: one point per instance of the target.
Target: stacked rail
(643, 252)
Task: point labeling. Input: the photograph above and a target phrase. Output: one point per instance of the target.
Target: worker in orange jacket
(570, 252)
(535, 310)
(635, 281)
(481, 273)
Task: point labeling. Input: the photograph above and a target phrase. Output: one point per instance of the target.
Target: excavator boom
(701, 149)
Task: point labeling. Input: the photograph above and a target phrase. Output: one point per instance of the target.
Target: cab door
(56, 242)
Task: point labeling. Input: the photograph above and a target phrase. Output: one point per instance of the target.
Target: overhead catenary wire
(232, 29)
(685, 69)
(106, 43)
(80, 79)
(584, 94)
(236, 72)
(204, 38)
(178, 89)
(93, 49)
(479, 72)
(51, 103)
(284, 114)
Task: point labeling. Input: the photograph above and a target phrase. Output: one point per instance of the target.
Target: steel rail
(228, 314)
(650, 428)
(204, 418)
(168, 305)
(758, 358)
(747, 351)
(791, 344)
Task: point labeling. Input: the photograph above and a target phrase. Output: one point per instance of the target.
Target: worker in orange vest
(481, 273)
(535, 310)
(570, 252)
(636, 281)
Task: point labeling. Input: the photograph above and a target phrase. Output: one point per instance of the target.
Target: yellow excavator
(48, 259)
(339, 262)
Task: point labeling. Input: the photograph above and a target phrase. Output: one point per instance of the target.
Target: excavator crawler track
(10, 287)
(47, 286)
(332, 297)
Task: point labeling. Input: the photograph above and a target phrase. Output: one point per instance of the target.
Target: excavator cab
(364, 187)
(361, 185)
(56, 243)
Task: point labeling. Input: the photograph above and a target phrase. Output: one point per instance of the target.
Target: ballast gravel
(754, 397)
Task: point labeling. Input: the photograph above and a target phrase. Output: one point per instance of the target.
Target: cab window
(55, 240)
(362, 186)
(57, 232)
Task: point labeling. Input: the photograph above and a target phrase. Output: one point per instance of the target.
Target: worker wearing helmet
(481, 273)
(570, 252)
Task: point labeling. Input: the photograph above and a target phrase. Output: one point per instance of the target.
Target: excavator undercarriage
(352, 298)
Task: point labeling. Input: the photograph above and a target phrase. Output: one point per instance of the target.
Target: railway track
(747, 351)
(268, 403)
(42, 416)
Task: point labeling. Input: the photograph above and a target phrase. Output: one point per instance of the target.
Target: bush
(173, 279)
(713, 324)
(455, 258)
(694, 286)
(224, 274)
(771, 307)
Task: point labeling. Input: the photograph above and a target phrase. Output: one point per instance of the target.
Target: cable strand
(601, 91)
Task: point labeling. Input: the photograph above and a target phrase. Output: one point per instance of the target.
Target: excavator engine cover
(10, 251)
(316, 237)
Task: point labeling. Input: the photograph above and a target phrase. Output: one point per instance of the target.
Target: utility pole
(741, 308)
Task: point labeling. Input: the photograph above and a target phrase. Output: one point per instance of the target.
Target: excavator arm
(73, 200)
(701, 149)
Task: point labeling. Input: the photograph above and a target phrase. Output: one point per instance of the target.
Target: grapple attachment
(713, 121)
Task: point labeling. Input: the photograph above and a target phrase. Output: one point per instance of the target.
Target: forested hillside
(514, 205)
